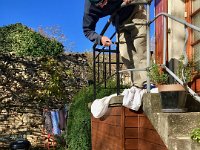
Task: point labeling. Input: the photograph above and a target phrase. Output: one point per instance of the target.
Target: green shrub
(26, 42)
(56, 81)
(157, 76)
(78, 134)
(185, 72)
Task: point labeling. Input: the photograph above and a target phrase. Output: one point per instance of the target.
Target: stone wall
(27, 85)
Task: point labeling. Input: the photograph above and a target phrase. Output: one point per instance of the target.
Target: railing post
(94, 72)
(148, 46)
(104, 69)
(109, 61)
(117, 54)
(104, 74)
(98, 69)
(165, 41)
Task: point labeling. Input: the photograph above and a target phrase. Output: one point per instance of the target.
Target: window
(195, 16)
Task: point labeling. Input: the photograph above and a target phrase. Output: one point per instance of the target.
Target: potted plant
(173, 96)
(157, 75)
(185, 72)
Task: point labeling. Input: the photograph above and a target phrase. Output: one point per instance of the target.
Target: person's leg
(133, 46)
(126, 51)
(140, 59)
(138, 35)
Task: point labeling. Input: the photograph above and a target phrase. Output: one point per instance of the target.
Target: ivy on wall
(35, 72)
(27, 84)
(24, 41)
(41, 79)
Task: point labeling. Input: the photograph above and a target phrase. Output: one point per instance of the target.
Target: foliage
(25, 42)
(195, 135)
(60, 142)
(101, 67)
(184, 72)
(54, 87)
(28, 83)
(40, 81)
(89, 56)
(157, 76)
(79, 135)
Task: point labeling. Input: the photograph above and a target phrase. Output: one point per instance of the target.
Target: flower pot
(173, 98)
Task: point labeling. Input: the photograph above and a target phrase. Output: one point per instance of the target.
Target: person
(132, 40)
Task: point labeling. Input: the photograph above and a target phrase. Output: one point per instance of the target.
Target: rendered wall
(176, 32)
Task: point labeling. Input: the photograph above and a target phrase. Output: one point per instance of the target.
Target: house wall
(175, 39)
(176, 35)
(176, 32)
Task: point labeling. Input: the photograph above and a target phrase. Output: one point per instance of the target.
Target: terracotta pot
(173, 97)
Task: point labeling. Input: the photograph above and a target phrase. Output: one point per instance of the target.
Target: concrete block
(174, 128)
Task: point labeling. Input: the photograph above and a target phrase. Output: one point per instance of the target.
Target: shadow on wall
(26, 85)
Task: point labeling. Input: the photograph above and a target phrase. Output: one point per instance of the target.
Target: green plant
(53, 89)
(184, 72)
(195, 135)
(157, 75)
(78, 135)
(60, 142)
(26, 42)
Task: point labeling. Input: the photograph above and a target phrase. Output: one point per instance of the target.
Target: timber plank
(114, 111)
(129, 112)
(124, 129)
(112, 120)
(131, 121)
(106, 129)
(131, 144)
(145, 145)
(131, 132)
(150, 135)
(145, 123)
(105, 142)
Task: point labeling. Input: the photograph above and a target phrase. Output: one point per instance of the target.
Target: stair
(174, 128)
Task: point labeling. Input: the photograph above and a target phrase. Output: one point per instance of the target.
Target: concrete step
(183, 143)
(174, 128)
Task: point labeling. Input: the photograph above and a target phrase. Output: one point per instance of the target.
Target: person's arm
(90, 19)
(89, 25)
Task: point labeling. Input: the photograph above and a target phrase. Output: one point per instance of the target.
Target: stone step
(183, 143)
(174, 128)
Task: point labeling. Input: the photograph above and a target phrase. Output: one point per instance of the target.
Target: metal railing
(117, 63)
(97, 52)
(186, 25)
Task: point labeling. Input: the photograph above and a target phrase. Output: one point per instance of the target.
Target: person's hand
(127, 1)
(105, 41)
